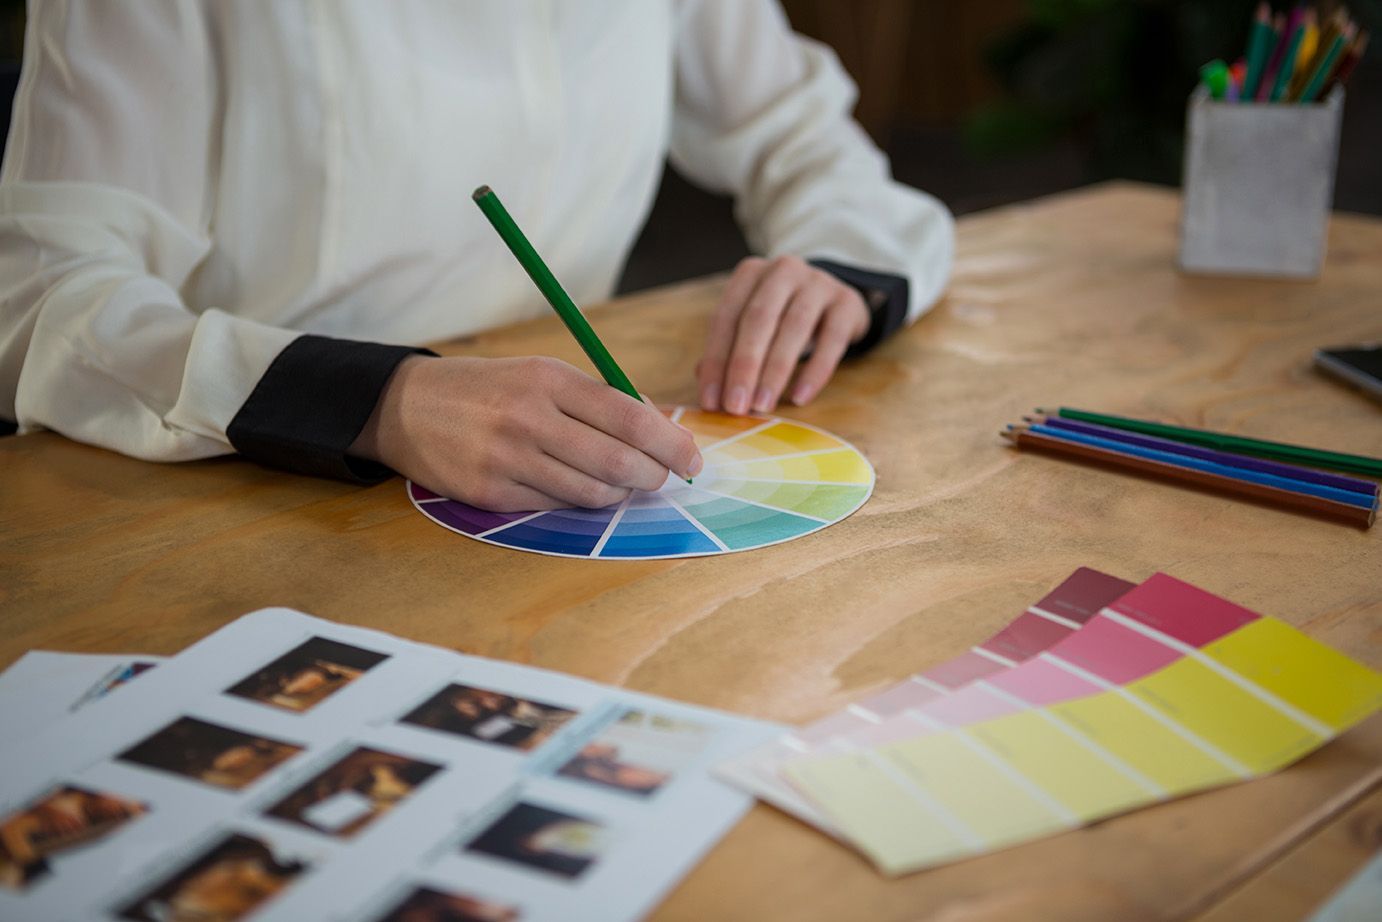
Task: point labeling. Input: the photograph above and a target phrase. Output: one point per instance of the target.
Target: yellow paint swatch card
(1238, 696)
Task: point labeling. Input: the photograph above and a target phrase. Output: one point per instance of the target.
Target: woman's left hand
(771, 313)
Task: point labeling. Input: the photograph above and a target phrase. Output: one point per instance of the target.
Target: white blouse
(189, 184)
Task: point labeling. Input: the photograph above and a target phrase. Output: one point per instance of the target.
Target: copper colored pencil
(1272, 495)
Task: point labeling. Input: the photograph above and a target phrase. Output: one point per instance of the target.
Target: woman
(214, 216)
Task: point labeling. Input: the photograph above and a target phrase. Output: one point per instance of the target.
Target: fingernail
(802, 395)
(710, 397)
(697, 463)
(738, 400)
(763, 401)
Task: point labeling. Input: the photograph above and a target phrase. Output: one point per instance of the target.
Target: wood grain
(1071, 300)
(1305, 877)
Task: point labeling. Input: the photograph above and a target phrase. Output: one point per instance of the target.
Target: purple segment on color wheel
(421, 493)
(468, 519)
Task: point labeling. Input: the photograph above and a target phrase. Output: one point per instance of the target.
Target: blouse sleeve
(764, 115)
(104, 203)
(105, 206)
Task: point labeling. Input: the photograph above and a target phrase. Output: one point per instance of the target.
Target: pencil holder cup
(1259, 181)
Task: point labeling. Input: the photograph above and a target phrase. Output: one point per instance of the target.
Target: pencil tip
(480, 193)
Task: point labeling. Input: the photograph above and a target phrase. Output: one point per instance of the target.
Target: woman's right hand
(519, 434)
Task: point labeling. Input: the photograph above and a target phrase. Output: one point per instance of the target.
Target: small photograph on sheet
(638, 753)
(489, 716)
(61, 820)
(545, 839)
(307, 675)
(428, 905)
(210, 753)
(227, 882)
(354, 792)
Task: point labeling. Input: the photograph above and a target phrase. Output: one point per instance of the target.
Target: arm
(765, 115)
(105, 207)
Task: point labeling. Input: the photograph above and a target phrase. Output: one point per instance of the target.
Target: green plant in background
(1114, 76)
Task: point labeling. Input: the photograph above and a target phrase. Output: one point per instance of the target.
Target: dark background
(986, 102)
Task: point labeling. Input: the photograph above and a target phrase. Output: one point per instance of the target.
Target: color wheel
(765, 481)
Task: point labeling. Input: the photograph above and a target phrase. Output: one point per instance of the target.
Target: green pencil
(1288, 61)
(551, 289)
(1326, 65)
(1259, 45)
(1312, 457)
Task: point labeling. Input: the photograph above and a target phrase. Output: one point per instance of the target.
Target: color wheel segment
(765, 481)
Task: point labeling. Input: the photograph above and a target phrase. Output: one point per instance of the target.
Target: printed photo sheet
(288, 767)
(44, 686)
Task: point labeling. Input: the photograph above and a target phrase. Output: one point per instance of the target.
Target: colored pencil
(1288, 61)
(1347, 63)
(1261, 448)
(1232, 485)
(1322, 71)
(1210, 467)
(1290, 471)
(1281, 27)
(1259, 46)
(551, 289)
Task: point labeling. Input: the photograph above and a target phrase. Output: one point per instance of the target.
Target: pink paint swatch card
(1057, 616)
(1167, 691)
(1140, 632)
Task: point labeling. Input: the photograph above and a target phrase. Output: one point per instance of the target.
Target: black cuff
(311, 404)
(885, 295)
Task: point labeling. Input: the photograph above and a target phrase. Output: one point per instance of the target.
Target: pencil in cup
(1366, 488)
(1290, 499)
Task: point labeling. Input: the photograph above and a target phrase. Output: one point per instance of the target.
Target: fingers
(719, 337)
(838, 327)
(550, 477)
(604, 457)
(635, 424)
(758, 322)
(793, 336)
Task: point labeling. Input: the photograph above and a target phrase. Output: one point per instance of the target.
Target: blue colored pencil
(1348, 497)
(1291, 471)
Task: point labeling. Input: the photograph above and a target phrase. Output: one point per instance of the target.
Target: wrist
(381, 428)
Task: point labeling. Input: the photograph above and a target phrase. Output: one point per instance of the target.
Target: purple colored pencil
(1352, 484)
(1283, 28)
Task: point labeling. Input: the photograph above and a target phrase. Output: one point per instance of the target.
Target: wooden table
(1072, 300)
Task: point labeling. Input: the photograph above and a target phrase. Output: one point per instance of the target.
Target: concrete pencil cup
(1259, 182)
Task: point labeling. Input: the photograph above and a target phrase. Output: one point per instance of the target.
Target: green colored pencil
(551, 289)
(1288, 61)
(1312, 457)
(1259, 45)
(1326, 65)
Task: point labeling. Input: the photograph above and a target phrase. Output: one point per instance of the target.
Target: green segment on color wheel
(551, 289)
